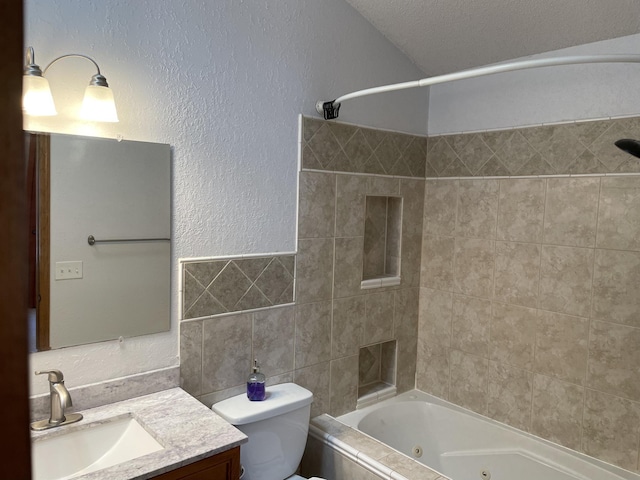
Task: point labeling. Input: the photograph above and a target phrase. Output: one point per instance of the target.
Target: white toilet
(277, 428)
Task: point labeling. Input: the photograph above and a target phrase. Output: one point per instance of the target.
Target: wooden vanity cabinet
(224, 466)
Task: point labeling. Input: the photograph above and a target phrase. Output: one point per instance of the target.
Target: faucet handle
(55, 376)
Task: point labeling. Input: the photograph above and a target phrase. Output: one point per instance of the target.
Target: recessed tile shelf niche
(376, 373)
(382, 242)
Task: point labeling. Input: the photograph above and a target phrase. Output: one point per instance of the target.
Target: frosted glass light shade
(36, 96)
(98, 104)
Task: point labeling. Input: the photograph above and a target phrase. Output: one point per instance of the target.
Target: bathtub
(463, 445)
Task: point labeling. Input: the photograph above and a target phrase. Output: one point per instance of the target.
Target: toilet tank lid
(282, 398)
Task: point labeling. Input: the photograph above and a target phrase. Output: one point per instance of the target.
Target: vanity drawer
(224, 466)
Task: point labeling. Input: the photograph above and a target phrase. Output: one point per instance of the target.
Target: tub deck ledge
(372, 455)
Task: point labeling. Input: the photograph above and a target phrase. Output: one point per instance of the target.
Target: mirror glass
(100, 225)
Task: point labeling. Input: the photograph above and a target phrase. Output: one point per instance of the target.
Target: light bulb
(36, 96)
(98, 104)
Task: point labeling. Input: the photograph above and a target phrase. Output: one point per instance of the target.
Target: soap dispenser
(255, 384)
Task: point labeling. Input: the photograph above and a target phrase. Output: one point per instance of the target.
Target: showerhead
(629, 145)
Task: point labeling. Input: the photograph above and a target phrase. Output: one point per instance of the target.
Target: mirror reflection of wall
(114, 191)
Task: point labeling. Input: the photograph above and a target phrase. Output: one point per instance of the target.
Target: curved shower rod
(331, 108)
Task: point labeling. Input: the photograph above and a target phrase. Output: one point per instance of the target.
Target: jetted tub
(463, 445)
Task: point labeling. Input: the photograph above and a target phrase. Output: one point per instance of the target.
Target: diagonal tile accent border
(274, 280)
(565, 149)
(573, 148)
(214, 287)
(341, 147)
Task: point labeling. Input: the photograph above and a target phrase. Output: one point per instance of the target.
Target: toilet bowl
(277, 428)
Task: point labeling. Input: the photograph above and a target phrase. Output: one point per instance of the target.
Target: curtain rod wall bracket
(329, 110)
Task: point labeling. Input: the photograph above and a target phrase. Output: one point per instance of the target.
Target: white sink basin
(86, 448)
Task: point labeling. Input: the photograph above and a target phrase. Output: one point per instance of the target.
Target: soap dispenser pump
(255, 384)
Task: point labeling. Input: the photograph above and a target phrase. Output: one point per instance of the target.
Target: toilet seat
(298, 477)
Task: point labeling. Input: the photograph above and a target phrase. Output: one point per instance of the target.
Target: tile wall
(315, 342)
(518, 295)
(216, 353)
(340, 147)
(335, 315)
(530, 306)
(234, 311)
(575, 148)
(331, 229)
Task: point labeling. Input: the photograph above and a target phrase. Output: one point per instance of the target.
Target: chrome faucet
(60, 400)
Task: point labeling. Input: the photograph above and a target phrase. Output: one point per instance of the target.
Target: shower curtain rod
(331, 108)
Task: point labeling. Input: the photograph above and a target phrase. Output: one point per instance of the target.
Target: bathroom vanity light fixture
(98, 104)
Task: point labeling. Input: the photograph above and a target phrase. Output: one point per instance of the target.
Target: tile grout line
(537, 125)
(493, 289)
(234, 257)
(453, 286)
(591, 306)
(533, 376)
(333, 283)
(201, 356)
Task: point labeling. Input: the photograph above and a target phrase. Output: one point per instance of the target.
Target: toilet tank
(277, 428)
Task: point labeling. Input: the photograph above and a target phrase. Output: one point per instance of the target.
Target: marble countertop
(187, 429)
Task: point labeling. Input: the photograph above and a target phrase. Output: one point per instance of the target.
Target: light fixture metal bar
(77, 55)
(98, 79)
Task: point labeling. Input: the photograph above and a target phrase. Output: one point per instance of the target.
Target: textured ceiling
(443, 36)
